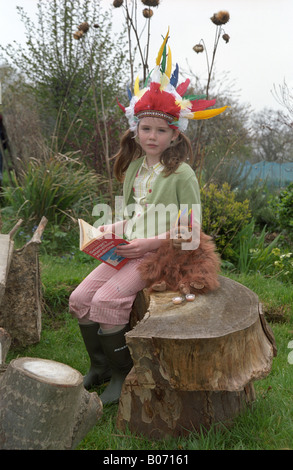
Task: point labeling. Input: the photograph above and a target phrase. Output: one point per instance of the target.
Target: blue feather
(129, 94)
(174, 77)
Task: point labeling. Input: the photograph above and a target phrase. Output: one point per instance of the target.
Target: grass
(267, 425)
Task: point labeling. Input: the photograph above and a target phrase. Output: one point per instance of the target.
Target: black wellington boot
(100, 371)
(118, 355)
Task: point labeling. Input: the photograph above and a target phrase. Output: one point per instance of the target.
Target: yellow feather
(169, 63)
(164, 81)
(208, 113)
(160, 53)
(136, 86)
(184, 104)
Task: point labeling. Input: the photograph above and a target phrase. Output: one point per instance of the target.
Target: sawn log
(195, 363)
(44, 406)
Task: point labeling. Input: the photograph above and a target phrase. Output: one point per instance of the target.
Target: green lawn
(266, 426)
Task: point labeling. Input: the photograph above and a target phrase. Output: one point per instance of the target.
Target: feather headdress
(162, 97)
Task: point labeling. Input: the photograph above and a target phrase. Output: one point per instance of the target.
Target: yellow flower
(276, 251)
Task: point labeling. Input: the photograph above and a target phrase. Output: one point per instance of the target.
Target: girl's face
(155, 136)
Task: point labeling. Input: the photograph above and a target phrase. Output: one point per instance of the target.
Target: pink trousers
(106, 295)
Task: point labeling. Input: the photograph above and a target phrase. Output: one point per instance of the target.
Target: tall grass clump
(254, 254)
(57, 188)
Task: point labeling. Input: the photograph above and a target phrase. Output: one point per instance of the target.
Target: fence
(274, 174)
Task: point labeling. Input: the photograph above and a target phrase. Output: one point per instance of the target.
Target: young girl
(152, 165)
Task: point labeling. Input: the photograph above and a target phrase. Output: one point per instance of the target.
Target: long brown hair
(180, 151)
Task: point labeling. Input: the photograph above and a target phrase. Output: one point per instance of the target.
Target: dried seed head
(198, 48)
(222, 17)
(117, 3)
(151, 3)
(78, 34)
(147, 12)
(84, 27)
(226, 37)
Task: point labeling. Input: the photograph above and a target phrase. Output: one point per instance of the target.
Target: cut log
(161, 412)
(215, 343)
(5, 342)
(44, 406)
(194, 362)
(6, 250)
(21, 306)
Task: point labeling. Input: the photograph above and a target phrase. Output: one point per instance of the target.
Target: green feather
(163, 64)
(194, 97)
(147, 79)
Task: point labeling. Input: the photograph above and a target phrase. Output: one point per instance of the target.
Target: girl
(152, 164)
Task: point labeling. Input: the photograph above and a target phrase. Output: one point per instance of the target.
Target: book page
(87, 233)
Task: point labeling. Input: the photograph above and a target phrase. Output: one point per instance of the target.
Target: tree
(272, 136)
(75, 68)
(223, 143)
(285, 97)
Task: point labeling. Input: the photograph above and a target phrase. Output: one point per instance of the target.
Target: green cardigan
(169, 194)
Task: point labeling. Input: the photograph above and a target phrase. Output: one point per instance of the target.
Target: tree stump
(44, 406)
(194, 364)
(21, 305)
(139, 307)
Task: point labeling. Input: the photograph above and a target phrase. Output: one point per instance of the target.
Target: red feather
(182, 88)
(200, 105)
(159, 100)
(120, 106)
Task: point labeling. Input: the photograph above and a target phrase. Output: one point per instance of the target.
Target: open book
(101, 245)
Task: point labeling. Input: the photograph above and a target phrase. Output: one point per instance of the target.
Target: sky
(257, 59)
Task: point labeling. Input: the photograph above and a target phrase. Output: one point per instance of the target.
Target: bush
(262, 204)
(223, 217)
(285, 209)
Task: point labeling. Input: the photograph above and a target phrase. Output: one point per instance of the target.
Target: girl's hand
(106, 228)
(117, 227)
(138, 247)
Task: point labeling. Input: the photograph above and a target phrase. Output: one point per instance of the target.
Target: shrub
(223, 217)
(262, 204)
(285, 209)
